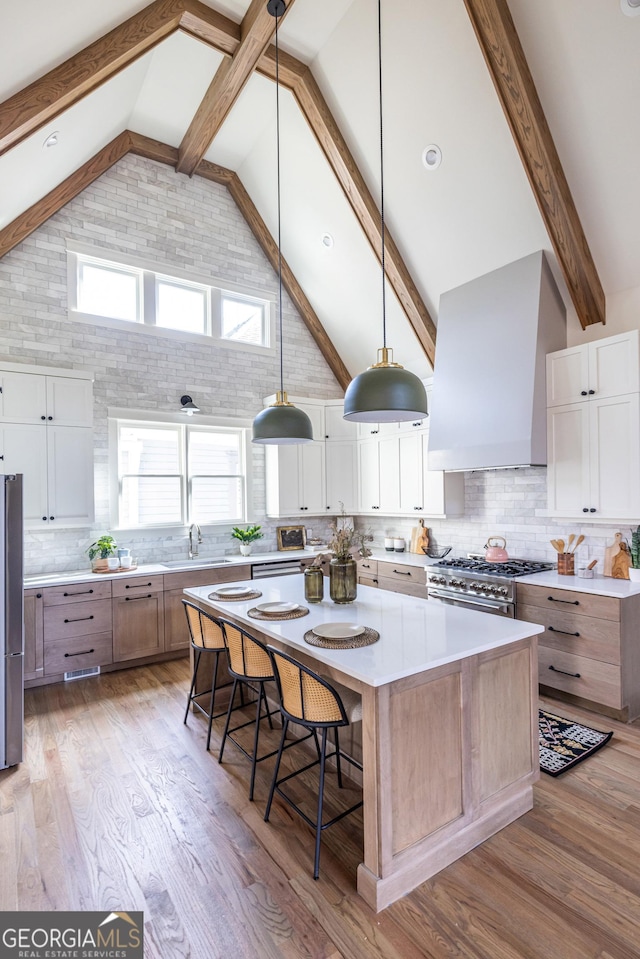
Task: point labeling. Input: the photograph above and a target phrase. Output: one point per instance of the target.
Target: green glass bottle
(313, 584)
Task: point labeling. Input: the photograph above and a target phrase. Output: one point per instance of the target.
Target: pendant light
(282, 423)
(386, 392)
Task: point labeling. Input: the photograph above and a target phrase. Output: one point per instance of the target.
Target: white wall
(145, 208)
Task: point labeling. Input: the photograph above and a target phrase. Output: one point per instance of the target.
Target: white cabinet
(341, 470)
(335, 426)
(607, 367)
(295, 474)
(594, 458)
(45, 434)
(368, 476)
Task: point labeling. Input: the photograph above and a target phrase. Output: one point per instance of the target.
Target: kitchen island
(450, 721)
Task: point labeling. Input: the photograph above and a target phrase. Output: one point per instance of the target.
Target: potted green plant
(343, 570)
(634, 552)
(247, 537)
(100, 551)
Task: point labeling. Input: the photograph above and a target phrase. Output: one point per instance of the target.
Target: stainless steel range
(476, 584)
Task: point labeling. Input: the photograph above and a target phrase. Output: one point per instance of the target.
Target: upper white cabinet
(335, 425)
(607, 367)
(341, 472)
(43, 398)
(594, 459)
(295, 474)
(46, 434)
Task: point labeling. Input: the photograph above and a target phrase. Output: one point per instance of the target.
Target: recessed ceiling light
(52, 139)
(327, 240)
(631, 8)
(432, 156)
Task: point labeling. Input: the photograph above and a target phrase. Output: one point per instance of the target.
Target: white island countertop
(415, 635)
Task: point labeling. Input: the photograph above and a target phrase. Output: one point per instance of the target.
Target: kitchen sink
(194, 563)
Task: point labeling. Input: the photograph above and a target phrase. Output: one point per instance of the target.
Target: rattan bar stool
(251, 667)
(309, 700)
(207, 636)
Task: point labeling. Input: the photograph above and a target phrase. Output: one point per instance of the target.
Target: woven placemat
(293, 614)
(235, 599)
(367, 638)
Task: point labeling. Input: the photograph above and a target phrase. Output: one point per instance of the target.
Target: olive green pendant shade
(385, 393)
(282, 424)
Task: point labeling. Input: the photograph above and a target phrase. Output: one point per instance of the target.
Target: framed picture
(290, 537)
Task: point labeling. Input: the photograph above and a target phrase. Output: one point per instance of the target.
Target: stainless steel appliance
(476, 584)
(11, 622)
(275, 568)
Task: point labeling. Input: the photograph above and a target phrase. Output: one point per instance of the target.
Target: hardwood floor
(118, 806)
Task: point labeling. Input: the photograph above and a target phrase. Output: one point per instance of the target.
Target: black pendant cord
(279, 235)
(384, 299)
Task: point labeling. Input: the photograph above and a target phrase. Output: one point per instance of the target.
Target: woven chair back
(306, 696)
(248, 657)
(206, 632)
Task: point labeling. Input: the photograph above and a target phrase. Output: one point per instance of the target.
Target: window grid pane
(181, 307)
(106, 291)
(243, 321)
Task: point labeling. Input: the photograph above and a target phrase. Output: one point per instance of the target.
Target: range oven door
(482, 605)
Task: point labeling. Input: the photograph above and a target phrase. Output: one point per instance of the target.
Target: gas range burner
(509, 570)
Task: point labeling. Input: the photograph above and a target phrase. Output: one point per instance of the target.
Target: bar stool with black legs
(207, 636)
(309, 700)
(251, 667)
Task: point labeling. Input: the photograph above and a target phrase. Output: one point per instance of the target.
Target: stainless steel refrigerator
(11, 622)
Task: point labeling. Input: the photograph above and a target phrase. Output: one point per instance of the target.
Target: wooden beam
(44, 99)
(325, 129)
(514, 84)
(256, 31)
(39, 213)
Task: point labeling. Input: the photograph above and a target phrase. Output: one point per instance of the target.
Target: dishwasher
(264, 570)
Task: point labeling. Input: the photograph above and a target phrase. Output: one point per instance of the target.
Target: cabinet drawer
(368, 567)
(186, 579)
(77, 652)
(76, 593)
(588, 678)
(402, 573)
(138, 584)
(76, 619)
(585, 604)
(596, 638)
(407, 586)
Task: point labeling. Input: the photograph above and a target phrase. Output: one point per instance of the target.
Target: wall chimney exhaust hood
(488, 408)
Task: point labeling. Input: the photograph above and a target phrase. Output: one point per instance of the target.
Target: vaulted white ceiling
(473, 214)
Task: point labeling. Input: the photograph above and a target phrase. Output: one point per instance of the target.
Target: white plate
(277, 607)
(338, 630)
(234, 590)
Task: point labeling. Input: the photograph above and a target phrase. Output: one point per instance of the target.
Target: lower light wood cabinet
(402, 578)
(33, 634)
(138, 617)
(176, 632)
(589, 652)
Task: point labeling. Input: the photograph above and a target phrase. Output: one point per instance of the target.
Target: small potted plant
(247, 537)
(634, 552)
(343, 570)
(100, 552)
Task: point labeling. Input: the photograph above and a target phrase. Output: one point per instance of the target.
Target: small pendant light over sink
(386, 392)
(281, 423)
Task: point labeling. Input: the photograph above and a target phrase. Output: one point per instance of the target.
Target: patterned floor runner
(564, 744)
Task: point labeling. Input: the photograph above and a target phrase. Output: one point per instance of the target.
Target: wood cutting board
(419, 539)
(621, 563)
(610, 555)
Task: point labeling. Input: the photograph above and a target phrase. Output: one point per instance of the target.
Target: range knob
(503, 591)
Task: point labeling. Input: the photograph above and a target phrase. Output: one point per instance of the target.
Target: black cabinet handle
(52, 517)
(132, 599)
(591, 392)
(401, 572)
(583, 392)
(83, 652)
(592, 510)
(38, 595)
(81, 592)
(80, 620)
(44, 518)
(569, 602)
(139, 586)
(375, 581)
(585, 509)
(49, 417)
(564, 672)
(2, 457)
(565, 632)
(43, 417)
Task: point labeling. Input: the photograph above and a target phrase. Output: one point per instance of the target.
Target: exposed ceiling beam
(45, 98)
(514, 84)
(300, 81)
(256, 30)
(39, 213)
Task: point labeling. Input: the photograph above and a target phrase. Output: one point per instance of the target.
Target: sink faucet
(193, 551)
